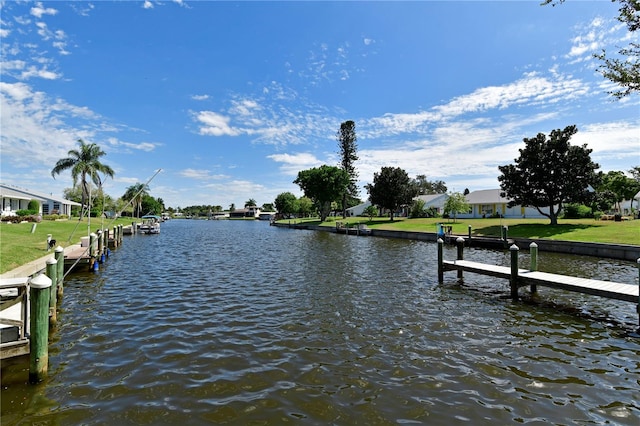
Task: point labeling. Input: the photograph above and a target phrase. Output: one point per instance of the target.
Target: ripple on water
(239, 322)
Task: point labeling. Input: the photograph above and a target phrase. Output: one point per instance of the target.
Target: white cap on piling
(59, 248)
(514, 247)
(52, 261)
(40, 282)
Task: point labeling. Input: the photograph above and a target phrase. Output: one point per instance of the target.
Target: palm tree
(84, 163)
(136, 193)
(250, 203)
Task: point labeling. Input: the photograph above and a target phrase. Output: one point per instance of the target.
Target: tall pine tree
(348, 156)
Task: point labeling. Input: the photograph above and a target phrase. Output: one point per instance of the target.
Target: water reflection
(239, 322)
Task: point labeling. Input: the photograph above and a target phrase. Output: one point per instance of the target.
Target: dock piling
(513, 281)
(441, 261)
(59, 255)
(533, 252)
(52, 273)
(39, 328)
(460, 245)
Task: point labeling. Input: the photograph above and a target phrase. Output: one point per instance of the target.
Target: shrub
(26, 212)
(34, 206)
(577, 211)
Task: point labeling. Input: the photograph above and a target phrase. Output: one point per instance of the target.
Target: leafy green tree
(250, 203)
(84, 164)
(549, 173)
(285, 203)
(323, 185)
(348, 156)
(417, 209)
(624, 70)
(135, 194)
(391, 189)
(622, 186)
(424, 186)
(304, 206)
(151, 205)
(456, 203)
(268, 207)
(371, 211)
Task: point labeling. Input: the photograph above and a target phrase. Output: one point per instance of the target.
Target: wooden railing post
(59, 254)
(52, 273)
(469, 234)
(100, 254)
(514, 271)
(533, 252)
(460, 244)
(40, 287)
(440, 261)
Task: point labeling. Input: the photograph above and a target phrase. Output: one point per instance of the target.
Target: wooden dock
(608, 289)
(519, 277)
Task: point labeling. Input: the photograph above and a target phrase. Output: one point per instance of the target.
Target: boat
(150, 224)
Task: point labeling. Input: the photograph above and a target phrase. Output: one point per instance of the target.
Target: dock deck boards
(608, 289)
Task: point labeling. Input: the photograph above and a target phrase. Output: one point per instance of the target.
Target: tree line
(549, 175)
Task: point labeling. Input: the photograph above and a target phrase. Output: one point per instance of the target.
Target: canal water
(237, 322)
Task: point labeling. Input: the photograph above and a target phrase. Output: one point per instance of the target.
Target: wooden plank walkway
(608, 289)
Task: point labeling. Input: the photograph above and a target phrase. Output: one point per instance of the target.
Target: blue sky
(232, 99)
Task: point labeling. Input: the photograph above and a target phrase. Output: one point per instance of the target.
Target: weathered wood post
(440, 261)
(100, 257)
(505, 230)
(59, 255)
(469, 234)
(533, 252)
(40, 287)
(460, 244)
(133, 228)
(513, 281)
(52, 273)
(93, 244)
(120, 233)
(115, 236)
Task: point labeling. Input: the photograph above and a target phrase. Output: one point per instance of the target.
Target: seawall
(602, 250)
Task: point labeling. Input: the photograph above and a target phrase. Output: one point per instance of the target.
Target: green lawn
(18, 245)
(588, 230)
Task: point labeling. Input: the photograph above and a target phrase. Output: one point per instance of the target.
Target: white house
(488, 202)
(358, 210)
(435, 201)
(13, 199)
(626, 205)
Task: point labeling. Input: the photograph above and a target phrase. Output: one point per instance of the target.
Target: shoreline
(602, 250)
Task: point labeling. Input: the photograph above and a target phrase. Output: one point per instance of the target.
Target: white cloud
(291, 164)
(200, 174)
(199, 97)
(147, 5)
(214, 124)
(39, 10)
(41, 73)
(142, 146)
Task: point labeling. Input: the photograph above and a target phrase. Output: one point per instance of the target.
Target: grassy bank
(18, 245)
(588, 230)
